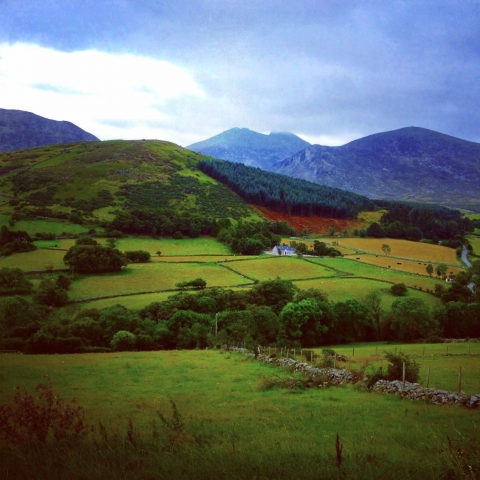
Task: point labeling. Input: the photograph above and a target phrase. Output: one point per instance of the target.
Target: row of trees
(271, 313)
(414, 222)
(285, 194)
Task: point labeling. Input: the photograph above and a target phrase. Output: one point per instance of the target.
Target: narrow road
(464, 257)
(471, 285)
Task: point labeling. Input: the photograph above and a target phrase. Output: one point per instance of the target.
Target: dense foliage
(273, 312)
(285, 194)
(94, 259)
(14, 242)
(414, 222)
(251, 238)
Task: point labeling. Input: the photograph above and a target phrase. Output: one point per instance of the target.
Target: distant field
(287, 268)
(399, 248)
(403, 265)
(39, 259)
(169, 246)
(47, 226)
(475, 243)
(149, 277)
(392, 275)
(349, 288)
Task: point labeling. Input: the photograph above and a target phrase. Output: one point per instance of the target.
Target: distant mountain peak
(243, 145)
(20, 130)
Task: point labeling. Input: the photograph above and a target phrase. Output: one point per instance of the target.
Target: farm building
(283, 250)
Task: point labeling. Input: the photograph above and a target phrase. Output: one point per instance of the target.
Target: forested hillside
(285, 194)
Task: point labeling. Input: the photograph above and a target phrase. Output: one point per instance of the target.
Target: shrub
(395, 367)
(399, 289)
(123, 340)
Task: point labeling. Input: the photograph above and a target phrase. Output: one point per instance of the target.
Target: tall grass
(227, 426)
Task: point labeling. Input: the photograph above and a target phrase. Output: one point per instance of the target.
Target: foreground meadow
(229, 424)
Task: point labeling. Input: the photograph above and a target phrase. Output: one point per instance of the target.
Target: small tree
(429, 269)
(442, 269)
(386, 249)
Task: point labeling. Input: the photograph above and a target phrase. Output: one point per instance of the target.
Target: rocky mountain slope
(20, 130)
(251, 148)
(406, 164)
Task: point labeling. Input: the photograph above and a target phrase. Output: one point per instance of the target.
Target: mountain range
(20, 130)
(410, 163)
(251, 148)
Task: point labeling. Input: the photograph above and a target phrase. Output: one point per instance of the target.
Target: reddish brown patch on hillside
(313, 224)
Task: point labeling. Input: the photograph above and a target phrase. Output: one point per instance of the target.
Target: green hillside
(92, 182)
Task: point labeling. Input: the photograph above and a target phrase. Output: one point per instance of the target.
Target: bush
(123, 340)
(399, 289)
(395, 367)
(137, 256)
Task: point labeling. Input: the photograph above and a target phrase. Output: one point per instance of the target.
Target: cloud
(109, 95)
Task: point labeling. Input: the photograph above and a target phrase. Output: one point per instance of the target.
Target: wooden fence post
(428, 375)
(459, 380)
(403, 374)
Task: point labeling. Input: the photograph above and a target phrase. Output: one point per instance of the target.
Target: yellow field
(403, 249)
(417, 268)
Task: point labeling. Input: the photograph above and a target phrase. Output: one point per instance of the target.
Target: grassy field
(475, 243)
(287, 268)
(348, 288)
(36, 260)
(232, 426)
(57, 227)
(443, 359)
(393, 275)
(151, 277)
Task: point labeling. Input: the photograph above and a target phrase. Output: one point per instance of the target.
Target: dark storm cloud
(338, 69)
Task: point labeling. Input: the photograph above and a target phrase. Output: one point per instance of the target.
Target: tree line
(273, 312)
(414, 222)
(285, 194)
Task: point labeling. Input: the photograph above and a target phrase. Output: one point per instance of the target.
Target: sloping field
(402, 249)
(151, 277)
(410, 266)
(39, 259)
(169, 246)
(349, 288)
(475, 243)
(392, 275)
(287, 268)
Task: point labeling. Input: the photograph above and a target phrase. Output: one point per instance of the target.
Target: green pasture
(349, 288)
(132, 302)
(234, 427)
(287, 268)
(444, 360)
(151, 277)
(56, 227)
(170, 246)
(39, 259)
(475, 243)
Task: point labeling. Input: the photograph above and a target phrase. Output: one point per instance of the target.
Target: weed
(42, 417)
(174, 427)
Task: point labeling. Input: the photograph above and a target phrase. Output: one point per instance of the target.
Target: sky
(330, 71)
